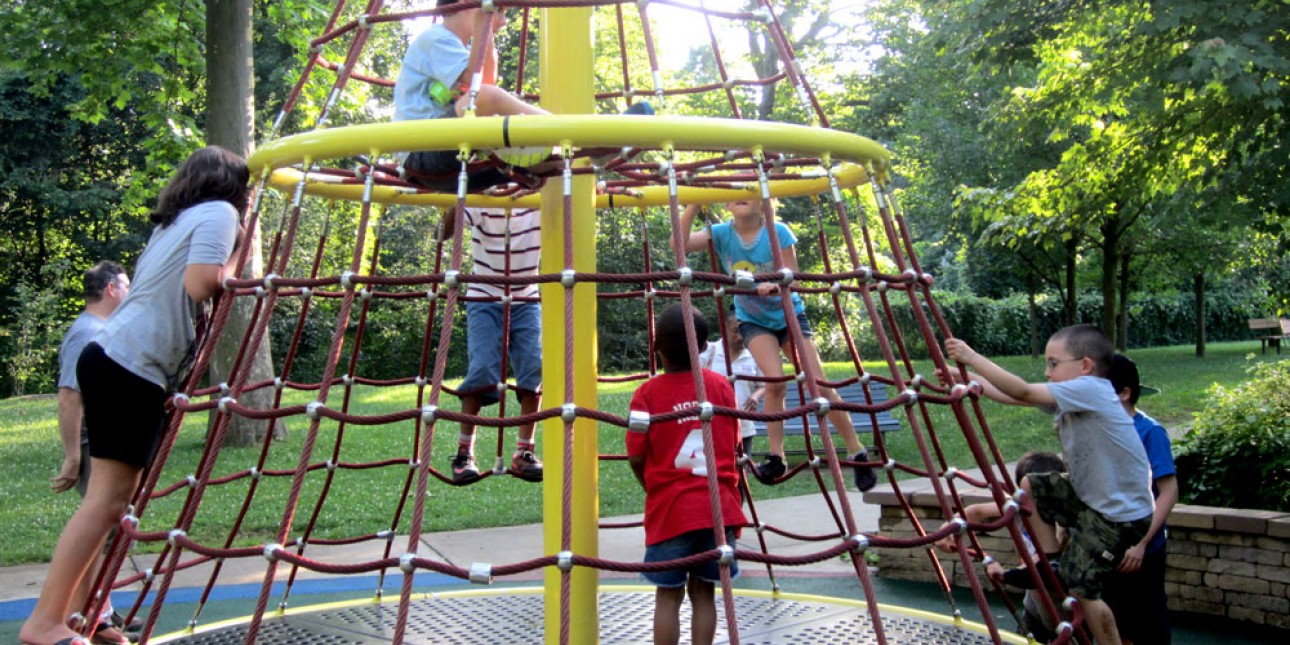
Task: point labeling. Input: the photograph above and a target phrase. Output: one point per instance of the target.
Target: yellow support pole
(566, 81)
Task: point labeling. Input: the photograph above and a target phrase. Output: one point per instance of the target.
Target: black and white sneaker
(464, 468)
(526, 466)
(770, 470)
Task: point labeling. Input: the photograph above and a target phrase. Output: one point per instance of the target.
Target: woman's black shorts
(124, 412)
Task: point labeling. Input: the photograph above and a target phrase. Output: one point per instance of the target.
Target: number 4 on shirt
(690, 457)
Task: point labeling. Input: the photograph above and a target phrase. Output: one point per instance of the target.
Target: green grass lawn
(362, 501)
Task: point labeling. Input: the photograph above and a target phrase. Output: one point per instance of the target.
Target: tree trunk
(1199, 286)
(230, 119)
(1110, 262)
(1070, 305)
(1032, 315)
(1122, 317)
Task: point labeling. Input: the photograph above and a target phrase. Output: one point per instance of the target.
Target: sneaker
(132, 628)
(866, 478)
(640, 108)
(464, 468)
(526, 466)
(768, 471)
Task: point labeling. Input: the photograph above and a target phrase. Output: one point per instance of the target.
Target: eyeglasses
(1052, 364)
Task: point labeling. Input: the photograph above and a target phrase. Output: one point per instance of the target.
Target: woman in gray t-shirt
(141, 353)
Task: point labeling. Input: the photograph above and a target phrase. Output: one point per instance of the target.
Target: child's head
(1077, 350)
(1124, 376)
(1036, 461)
(208, 175)
(669, 337)
(732, 332)
(749, 208)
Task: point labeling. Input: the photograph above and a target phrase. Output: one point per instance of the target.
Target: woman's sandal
(107, 634)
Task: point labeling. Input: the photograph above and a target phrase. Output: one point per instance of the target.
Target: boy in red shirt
(668, 459)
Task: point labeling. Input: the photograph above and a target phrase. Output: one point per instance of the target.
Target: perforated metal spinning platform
(625, 617)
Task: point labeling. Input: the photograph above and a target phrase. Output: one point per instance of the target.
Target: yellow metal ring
(682, 133)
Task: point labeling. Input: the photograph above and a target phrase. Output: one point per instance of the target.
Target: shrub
(1238, 452)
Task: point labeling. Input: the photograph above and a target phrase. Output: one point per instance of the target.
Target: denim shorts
(484, 346)
(752, 330)
(685, 545)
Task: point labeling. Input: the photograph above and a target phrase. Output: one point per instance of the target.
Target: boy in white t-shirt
(748, 394)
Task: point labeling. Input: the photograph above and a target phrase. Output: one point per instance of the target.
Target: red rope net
(295, 279)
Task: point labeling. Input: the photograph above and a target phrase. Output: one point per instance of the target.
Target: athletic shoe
(768, 471)
(866, 478)
(464, 468)
(526, 466)
(118, 621)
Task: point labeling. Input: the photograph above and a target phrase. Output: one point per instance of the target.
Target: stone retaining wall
(1222, 562)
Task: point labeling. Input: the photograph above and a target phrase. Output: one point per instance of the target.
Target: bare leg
(841, 420)
(109, 490)
(1100, 621)
(766, 354)
(529, 402)
(495, 101)
(667, 615)
(470, 404)
(703, 609)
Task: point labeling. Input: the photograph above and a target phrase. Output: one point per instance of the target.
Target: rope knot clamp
(254, 473)
(918, 381)
(175, 535)
(890, 465)
(569, 412)
(649, 294)
(951, 472)
(642, 3)
(835, 288)
(729, 84)
(312, 410)
(816, 462)
(686, 276)
(786, 276)
(346, 379)
(362, 22)
(761, 15)
(719, 291)
(823, 406)
(278, 383)
(225, 281)
(960, 525)
(481, 573)
(761, 527)
(268, 280)
(501, 388)
(882, 286)
(568, 278)
(1069, 603)
(347, 279)
(1064, 628)
(499, 465)
(800, 377)
(727, 554)
(638, 421)
(865, 378)
(866, 274)
(450, 278)
(913, 396)
(365, 294)
(76, 621)
(271, 552)
(987, 561)
(1010, 505)
(732, 378)
(419, 381)
(927, 279)
(315, 49)
(224, 389)
(387, 534)
(913, 275)
(745, 280)
(259, 293)
(975, 387)
(861, 542)
(504, 300)
(306, 293)
(405, 563)
(564, 561)
(178, 398)
(705, 411)
(331, 466)
(223, 403)
(958, 390)
(428, 414)
(132, 519)
(191, 481)
(488, 6)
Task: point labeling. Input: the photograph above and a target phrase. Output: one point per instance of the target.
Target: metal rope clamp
(481, 573)
(638, 421)
(564, 561)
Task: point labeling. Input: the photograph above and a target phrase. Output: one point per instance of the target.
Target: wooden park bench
(1277, 329)
(853, 393)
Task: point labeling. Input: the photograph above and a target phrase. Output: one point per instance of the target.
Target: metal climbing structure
(669, 161)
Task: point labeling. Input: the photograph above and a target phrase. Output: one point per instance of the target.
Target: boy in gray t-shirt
(1105, 501)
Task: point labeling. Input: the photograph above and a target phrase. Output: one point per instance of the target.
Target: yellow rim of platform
(654, 132)
(1008, 637)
